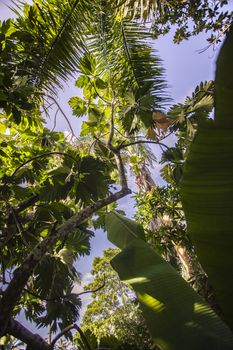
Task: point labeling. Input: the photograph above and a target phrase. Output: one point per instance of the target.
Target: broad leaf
(207, 187)
(176, 315)
(121, 231)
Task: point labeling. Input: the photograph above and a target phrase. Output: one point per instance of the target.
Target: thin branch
(93, 290)
(142, 141)
(126, 137)
(55, 119)
(47, 107)
(62, 112)
(121, 170)
(118, 159)
(64, 296)
(66, 330)
(166, 136)
(216, 40)
(27, 203)
(41, 156)
(3, 269)
(91, 145)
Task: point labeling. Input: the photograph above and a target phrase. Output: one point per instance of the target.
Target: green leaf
(16, 113)
(207, 187)
(2, 96)
(176, 316)
(78, 105)
(2, 128)
(121, 230)
(100, 84)
(82, 81)
(87, 64)
(224, 83)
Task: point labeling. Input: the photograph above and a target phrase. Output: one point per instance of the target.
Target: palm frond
(124, 49)
(55, 38)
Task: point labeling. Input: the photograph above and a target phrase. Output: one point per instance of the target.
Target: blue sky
(185, 68)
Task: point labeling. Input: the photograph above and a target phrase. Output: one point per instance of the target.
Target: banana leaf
(207, 187)
(177, 317)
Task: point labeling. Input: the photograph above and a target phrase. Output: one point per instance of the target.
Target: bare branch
(63, 113)
(93, 290)
(125, 145)
(55, 120)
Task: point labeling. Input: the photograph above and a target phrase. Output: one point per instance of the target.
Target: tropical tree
(188, 18)
(203, 194)
(114, 310)
(48, 194)
(47, 189)
(129, 104)
(159, 208)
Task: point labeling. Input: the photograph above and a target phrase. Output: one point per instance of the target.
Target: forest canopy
(56, 189)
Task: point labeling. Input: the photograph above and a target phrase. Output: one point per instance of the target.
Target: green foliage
(185, 118)
(18, 96)
(113, 317)
(188, 18)
(53, 39)
(133, 230)
(163, 206)
(28, 215)
(45, 181)
(53, 281)
(207, 187)
(176, 316)
(121, 70)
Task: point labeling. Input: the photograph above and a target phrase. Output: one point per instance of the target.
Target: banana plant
(207, 186)
(176, 316)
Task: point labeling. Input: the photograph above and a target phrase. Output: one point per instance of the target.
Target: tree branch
(121, 170)
(61, 296)
(27, 203)
(142, 141)
(21, 275)
(93, 290)
(33, 341)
